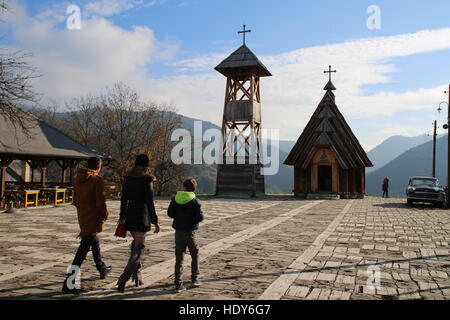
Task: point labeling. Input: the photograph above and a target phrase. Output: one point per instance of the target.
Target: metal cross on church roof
(244, 32)
(330, 71)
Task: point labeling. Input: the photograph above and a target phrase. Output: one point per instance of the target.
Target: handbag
(121, 232)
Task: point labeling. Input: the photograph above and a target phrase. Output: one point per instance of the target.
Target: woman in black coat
(137, 211)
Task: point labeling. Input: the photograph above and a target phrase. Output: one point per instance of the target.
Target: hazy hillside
(414, 162)
(392, 148)
(206, 174)
(282, 182)
(286, 147)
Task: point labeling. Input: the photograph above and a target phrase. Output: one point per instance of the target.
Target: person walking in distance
(92, 213)
(137, 211)
(186, 211)
(385, 187)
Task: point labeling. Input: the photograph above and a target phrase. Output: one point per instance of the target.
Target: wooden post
(335, 178)
(350, 179)
(72, 165)
(63, 175)
(346, 181)
(363, 181)
(43, 176)
(25, 171)
(33, 165)
(314, 178)
(3, 187)
(4, 164)
(63, 165)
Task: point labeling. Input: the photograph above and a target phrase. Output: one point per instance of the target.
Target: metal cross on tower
(330, 71)
(244, 32)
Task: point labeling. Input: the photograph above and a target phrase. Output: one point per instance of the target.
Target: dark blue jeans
(87, 243)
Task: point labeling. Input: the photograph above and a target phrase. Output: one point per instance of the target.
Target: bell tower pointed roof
(242, 60)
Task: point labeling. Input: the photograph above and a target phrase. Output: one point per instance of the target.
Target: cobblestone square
(272, 248)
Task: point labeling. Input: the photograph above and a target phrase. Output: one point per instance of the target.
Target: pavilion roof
(43, 141)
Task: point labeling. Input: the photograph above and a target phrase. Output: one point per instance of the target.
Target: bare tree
(117, 123)
(3, 6)
(16, 90)
(82, 122)
(125, 127)
(169, 175)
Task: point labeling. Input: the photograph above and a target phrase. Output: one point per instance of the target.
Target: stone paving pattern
(246, 246)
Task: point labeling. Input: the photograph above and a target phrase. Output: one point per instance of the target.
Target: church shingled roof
(327, 127)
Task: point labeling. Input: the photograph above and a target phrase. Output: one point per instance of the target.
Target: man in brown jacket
(90, 202)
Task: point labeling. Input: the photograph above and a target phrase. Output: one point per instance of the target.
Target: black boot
(137, 276)
(134, 275)
(74, 290)
(131, 267)
(104, 271)
(96, 254)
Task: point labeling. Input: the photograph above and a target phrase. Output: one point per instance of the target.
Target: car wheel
(409, 202)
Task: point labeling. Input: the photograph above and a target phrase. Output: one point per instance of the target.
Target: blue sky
(167, 50)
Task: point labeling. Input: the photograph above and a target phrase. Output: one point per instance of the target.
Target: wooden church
(328, 160)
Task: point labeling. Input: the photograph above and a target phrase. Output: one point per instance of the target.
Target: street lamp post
(447, 127)
(434, 148)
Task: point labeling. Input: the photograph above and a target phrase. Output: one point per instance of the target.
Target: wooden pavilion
(327, 158)
(36, 150)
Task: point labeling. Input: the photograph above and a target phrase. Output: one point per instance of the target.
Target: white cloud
(185, 4)
(82, 61)
(78, 62)
(292, 94)
(107, 8)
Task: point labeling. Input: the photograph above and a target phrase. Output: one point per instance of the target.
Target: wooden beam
(314, 178)
(4, 164)
(354, 181)
(63, 176)
(43, 177)
(243, 89)
(363, 181)
(71, 175)
(346, 181)
(72, 165)
(3, 187)
(25, 171)
(335, 178)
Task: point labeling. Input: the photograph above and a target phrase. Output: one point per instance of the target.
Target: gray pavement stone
(409, 245)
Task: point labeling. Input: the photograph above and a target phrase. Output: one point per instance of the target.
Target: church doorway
(325, 177)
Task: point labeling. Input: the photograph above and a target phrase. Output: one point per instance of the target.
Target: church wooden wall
(349, 183)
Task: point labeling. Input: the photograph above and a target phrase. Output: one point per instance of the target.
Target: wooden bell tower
(240, 173)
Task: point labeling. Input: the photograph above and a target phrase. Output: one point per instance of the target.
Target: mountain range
(416, 161)
(393, 147)
(282, 182)
(397, 157)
